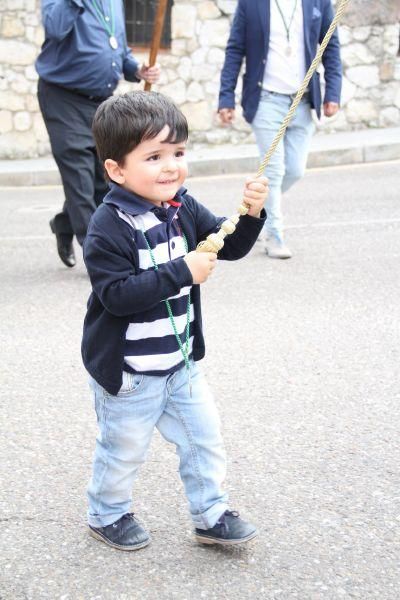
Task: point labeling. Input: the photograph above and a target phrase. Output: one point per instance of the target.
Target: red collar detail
(174, 203)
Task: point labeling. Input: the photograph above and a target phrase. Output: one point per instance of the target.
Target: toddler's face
(155, 169)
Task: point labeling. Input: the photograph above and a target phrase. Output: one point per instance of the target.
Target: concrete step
(368, 145)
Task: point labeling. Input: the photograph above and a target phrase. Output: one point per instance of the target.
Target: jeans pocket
(131, 382)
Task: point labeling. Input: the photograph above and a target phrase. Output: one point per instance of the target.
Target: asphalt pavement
(303, 357)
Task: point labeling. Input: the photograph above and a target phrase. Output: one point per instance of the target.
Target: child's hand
(255, 193)
(201, 265)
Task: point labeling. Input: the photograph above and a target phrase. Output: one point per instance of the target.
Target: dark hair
(122, 122)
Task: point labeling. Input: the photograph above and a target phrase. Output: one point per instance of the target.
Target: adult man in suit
(279, 39)
(84, 55)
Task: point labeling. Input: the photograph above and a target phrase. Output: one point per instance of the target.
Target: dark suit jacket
(249, 38)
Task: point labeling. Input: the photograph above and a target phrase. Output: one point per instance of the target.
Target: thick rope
(215, 241)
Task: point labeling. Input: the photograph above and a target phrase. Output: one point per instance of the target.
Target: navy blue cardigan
(249, 39)
(111, 258)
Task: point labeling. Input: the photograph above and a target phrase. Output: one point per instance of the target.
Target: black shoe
(230, 529)
(124, 534)
(64, 246)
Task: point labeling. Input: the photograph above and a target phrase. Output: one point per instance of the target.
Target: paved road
(303, 356)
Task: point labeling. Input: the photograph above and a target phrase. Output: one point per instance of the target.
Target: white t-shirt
(285, 69)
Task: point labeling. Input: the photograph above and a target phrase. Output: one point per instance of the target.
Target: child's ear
(114, 171)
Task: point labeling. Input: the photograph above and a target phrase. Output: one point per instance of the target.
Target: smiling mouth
(168, 181)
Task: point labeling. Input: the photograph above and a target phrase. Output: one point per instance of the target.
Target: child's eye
(154, 157)
(179, 153)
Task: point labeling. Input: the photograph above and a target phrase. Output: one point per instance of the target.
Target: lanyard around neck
(184, 349)
(105, 22)
(286, 26)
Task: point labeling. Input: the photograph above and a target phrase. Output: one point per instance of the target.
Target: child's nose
(170, 164)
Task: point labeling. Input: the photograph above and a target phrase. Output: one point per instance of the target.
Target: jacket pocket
(316, 19)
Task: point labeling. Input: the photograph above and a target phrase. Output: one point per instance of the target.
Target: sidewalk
(368, 145)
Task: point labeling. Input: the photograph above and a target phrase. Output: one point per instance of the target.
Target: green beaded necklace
(183, 348)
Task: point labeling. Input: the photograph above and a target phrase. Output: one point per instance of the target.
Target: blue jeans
(126, 423)
(288, 162)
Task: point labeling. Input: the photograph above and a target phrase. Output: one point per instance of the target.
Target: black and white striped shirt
(120, 295)
(150, 341)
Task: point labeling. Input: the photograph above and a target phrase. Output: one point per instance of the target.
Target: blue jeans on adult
(288, 162)
(126, 424)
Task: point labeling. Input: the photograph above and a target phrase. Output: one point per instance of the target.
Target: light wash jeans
(288, 162)
(126, 423)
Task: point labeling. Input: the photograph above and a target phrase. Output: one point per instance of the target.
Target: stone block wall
(22, 132)
(369, 36)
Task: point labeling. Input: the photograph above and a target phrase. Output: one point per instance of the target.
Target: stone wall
(370, 51)
(369, 37)
(22, 133)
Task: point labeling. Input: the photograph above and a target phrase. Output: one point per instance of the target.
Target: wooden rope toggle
(215, 241)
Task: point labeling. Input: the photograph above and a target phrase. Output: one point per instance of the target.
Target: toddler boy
(143, 329)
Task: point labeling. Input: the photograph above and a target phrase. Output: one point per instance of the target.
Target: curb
(327, 150)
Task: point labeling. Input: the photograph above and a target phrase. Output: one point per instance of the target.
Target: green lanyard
(184, 349)
(104, 22)
(287, 27)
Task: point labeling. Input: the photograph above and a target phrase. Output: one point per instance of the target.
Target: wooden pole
(157, 32)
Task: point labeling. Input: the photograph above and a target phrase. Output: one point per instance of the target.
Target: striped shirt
(151, 345)
(112, 262)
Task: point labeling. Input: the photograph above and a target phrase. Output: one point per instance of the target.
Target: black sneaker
(125, 534)
(230, 529)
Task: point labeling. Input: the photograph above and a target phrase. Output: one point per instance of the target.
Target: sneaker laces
(222, 520)
(127, 516)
